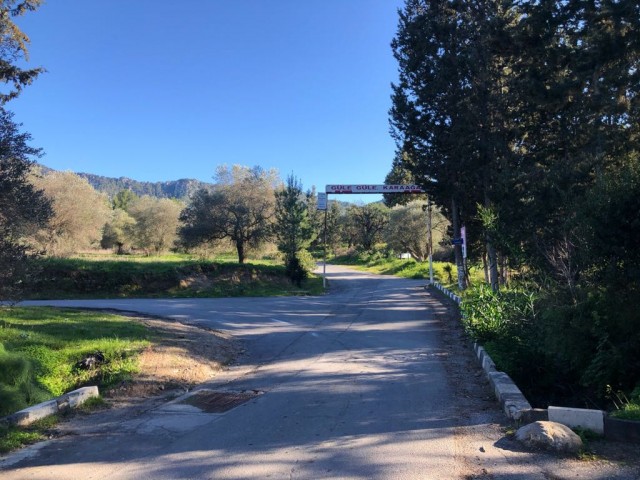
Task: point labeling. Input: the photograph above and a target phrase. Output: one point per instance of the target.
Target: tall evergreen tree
(449, 108)
(13, 47)
(292, 228)
(23, 209)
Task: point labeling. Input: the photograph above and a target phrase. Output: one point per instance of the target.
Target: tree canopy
(239, 209)
(13, 49)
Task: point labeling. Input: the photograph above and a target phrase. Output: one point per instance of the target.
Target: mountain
(180, 189)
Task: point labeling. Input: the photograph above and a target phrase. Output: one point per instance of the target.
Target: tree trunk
(457, 249)
(492, 255)
(240, 250)
(493, 264)
(485, 267)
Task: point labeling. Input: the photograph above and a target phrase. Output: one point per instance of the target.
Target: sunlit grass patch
(41, 348)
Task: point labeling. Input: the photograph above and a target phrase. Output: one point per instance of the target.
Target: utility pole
(324, 263)
(430, 240)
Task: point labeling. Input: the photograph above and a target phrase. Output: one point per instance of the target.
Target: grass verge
(40, 348)
(12, 437)
(161, 277)
(443, 272)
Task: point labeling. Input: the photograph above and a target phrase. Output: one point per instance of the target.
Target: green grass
(168, 276)
(52, 341)
(407, 268)
(630, 411)
(13, 437)
(39, 350)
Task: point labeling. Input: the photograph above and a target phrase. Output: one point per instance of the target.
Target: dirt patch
(180, 356)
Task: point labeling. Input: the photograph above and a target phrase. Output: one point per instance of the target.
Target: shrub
(490, 315)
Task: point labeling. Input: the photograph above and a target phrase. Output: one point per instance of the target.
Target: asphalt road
(353, 384)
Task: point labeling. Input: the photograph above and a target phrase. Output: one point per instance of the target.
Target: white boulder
(551, 436)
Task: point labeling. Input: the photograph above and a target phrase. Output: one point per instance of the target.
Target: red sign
(373, 189)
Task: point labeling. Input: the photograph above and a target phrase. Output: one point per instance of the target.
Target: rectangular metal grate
(219, 402)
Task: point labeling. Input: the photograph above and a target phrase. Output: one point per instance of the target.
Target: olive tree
(368, 223)
(407, 229)
(156, 221)
(239, 209)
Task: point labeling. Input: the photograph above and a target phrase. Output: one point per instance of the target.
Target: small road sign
(322, 201)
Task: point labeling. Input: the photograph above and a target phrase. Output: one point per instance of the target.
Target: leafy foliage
(367, 224)
(155, 225)
(521, 120)
(23, 208)
(239, 209)
(13, 49)
(79, 214)
(407, 230)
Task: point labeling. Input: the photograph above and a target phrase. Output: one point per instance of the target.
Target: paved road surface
(355, 384)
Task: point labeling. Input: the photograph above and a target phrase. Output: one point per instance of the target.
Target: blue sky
(160, 90)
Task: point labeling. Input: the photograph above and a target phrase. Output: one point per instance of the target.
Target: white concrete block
(36, 412)
(81, 395)
(578, 418)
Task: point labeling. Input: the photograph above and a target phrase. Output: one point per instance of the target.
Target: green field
(39, 353)
(169, 276)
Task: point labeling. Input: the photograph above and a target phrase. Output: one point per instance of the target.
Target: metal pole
(430, 240)
(324, 262)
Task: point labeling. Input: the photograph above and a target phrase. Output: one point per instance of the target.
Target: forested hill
(180, 189)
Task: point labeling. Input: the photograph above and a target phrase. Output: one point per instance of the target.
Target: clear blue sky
(161, 90)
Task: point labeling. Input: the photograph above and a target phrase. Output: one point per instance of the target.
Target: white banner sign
(373, 189)
(322, 201)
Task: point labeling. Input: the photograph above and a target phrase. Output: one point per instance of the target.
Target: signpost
(463, 234)
(322, 201)
(322, 205)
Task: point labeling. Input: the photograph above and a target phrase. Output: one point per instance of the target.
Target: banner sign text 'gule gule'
(373, 189)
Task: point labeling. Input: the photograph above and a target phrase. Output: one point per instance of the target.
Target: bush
(504, 323)
(298, 266)
(490, 315)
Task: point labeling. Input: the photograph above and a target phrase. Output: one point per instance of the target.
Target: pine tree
(292, 228)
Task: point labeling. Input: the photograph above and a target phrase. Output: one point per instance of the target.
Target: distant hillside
(181, 189)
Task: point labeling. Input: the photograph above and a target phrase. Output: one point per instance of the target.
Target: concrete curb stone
(64, 402)
(512, 401)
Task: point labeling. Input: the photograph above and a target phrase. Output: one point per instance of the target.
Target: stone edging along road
(60, 404)
(517, 408)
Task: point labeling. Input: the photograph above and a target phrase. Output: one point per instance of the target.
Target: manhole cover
(219, 402)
